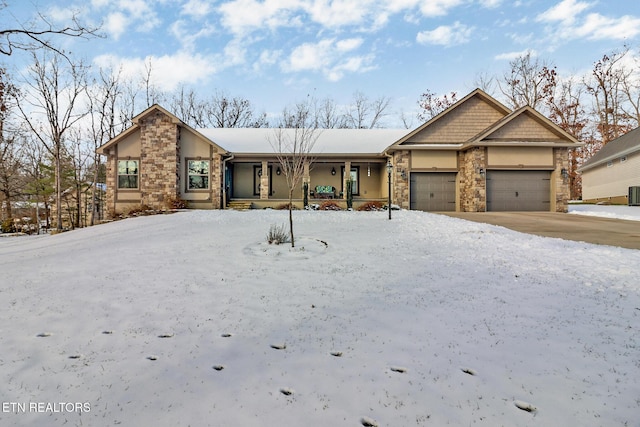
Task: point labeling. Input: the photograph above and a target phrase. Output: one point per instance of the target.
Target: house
(475, 156)
(607, 176)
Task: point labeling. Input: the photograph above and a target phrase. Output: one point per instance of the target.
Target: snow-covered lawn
(607, 211)
(193, 319)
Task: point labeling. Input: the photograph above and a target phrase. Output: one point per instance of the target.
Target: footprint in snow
(44, 334)
(165, 336)
(286, 391)
(218, 367)
(525, 406)
(336, 353)
(75, 356)
(368, 422)
(469, 371)
(399, 369)
(152, 357)
(107, 332)
(226, 335)
(281, 346)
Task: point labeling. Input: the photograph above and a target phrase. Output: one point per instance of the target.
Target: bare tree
(36, 34)
(528, 81)
(431, 104)
(365, 113)
(327, 115)
(39, 181)
(234, 112)
(293, 149)
(50, 108)
(10, 152)
(605, 85)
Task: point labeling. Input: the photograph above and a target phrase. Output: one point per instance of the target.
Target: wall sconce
(278, 171)
(368, 169)
(333, 171)
(259, 172)
(482, 172)
(564, 173)
(403, 174)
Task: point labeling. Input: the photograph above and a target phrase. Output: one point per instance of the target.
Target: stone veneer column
(562, 187)
(400, 185)
(159, 159)
(473, 186)
(264, 181)
(216, 181)
(111, 171)
(345, 177)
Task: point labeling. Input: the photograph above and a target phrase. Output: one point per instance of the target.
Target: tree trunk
(291, 217)
(58, 190)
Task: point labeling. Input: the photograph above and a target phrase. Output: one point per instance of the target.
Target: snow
(631, 213)
(193, 319)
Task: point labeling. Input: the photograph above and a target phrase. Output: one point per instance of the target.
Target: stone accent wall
(216, 181)
(264, 181)
(562, 188)
(111, 182)
(473, 186)
(400, 185)
(159, 159)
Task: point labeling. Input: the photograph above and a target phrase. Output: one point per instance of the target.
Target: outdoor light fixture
(403, 173)
(482, 172)
(259, 172)
(278, 171)
(368, 169)
(564, 173)
(333, 171)
(389, 169)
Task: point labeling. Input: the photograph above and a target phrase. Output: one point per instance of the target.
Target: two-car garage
(506, 190)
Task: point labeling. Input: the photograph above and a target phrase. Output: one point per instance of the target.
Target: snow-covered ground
(193, 319)
(612, 211)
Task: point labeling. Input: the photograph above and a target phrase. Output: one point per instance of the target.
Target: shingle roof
(622, 146)
(330, 141)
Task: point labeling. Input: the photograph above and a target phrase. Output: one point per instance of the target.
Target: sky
(423, 320)
(278, 52)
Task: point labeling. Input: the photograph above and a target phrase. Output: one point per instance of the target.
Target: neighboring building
(607, 176)
(475, 156)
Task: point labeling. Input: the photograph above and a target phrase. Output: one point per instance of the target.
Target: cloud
(116, 24)
(330, 57)
(446, 35)
(196, 8)
(188, 34)
(566, 12)
(167, 71)
(509, 56)
(598, 27)
(438, 7)
(244, 16)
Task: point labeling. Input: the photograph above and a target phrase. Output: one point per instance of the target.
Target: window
(128, 173)
(197, 174)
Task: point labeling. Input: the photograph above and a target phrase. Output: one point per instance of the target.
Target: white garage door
(518, 190)
(435, 192)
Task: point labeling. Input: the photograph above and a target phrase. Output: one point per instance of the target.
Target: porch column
(264, 181)
(347, 175)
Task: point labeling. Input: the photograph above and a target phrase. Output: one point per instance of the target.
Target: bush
(139, 210)
(278, 234)
(8, 226)
(371, 206)
(175, 202)
(330, 205)
(285, 207)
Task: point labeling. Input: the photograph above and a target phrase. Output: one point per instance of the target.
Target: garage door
(433, 191)
(518, 190)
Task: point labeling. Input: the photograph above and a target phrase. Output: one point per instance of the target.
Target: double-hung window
(198, 175)
(128, 172)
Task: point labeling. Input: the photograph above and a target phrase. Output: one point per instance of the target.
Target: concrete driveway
(581, 228)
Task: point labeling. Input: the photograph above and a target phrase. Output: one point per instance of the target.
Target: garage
(518, 191)
(434, 192)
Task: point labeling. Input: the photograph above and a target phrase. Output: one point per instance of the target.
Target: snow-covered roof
(330, 141)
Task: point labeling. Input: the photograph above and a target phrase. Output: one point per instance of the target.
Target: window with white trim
(197, 174)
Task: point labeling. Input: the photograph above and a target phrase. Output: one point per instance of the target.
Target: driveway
(581, 228)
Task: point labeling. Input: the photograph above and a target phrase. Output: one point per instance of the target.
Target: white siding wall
(613, 181)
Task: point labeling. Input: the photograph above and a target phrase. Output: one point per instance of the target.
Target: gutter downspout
(224, 181)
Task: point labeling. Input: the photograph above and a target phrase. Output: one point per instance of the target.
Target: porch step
(239, 206)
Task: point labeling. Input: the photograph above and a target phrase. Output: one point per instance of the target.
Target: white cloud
(438, 7)
(244, 16)
(196, 8)
(188, 34)
(508, 56)
(490, 4)
(566, 11)
(167, 71)
(116, 24)
(446, 35)
(600, 27)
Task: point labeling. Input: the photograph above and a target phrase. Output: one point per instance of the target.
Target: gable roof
(508, 131)
(135, 127)
(330, 141)
(626, 144)
(484, 109)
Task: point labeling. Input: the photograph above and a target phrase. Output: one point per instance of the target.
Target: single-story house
(608, 175)
(477, 155)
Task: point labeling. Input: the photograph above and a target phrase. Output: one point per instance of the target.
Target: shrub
(175, 202)
(285, 207)
(8, 226)
(138, 210)
(278, 234)
(371, 206)
(330, 205)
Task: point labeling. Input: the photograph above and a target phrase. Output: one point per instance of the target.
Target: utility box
(634, 196)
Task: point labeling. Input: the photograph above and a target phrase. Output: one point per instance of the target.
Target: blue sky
(276, 52)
